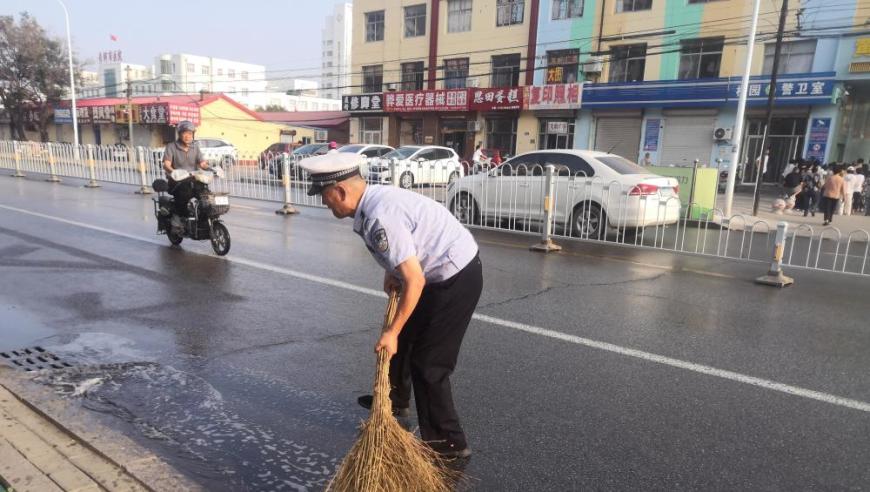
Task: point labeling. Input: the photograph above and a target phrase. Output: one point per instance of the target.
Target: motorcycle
(204, 209)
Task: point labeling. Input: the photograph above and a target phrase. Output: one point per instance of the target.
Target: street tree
(34, 74)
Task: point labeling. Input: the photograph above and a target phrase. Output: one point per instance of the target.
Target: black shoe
(366, 401)
(449, 450)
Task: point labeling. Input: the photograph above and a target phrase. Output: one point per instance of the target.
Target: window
(509, 12)
(373, 78)
(412, 76)
(374, 26)
(244, 75)
(245, 92)
(627, 63)
(458, 15)
(506, 70)
(166, 85)
(521, 165)
(556, 133)
(231, 73)
(795, 57)
(700, 58)
(568, 164)
(220, 71)
(501, 135)
(562, 66)
(191, 68)
(455, 73)
(633, 5)
(566, 9)
(621, 165)
(205, 70)
(415, 20)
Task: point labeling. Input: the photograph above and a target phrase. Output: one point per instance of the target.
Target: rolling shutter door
(622, 135)
(687, 138)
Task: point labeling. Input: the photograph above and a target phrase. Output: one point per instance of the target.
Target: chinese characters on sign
(510, 98)
(168, 114)
(556, 96)
(651, 135)
(430, 100)
(103, 114)
(790, 88)
(363, 102)
(818, 141)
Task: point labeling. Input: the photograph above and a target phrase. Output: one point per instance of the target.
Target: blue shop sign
(809, 88)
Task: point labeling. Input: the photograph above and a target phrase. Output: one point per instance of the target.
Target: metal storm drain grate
(32, 359)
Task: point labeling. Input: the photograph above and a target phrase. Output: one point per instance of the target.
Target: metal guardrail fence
(545, 201)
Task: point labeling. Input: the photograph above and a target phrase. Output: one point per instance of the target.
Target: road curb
(77, 423)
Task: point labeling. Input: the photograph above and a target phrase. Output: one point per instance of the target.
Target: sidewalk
(44, 448)
(742, 205)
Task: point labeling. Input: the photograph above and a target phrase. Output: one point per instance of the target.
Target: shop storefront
(673, 123)
(369, 124)
(555, 107)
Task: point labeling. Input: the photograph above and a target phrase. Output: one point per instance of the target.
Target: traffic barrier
(552, 206)
(775, 277)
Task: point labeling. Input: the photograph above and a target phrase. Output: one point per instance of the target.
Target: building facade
(336, 42)
(110, 80)
(448, 72)
(656, 81)
(662, 78)
(184, 73)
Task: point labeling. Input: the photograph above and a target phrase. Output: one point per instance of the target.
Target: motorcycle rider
(185, 154)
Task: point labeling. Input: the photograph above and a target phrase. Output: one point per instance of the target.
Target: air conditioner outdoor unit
(391, 86)
(472, 82)
(474, 126)
(594, 65)
(722, 134)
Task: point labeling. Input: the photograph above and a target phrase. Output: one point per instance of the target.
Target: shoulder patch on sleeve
(379, 240)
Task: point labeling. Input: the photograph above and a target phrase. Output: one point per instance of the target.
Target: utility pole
(130, 108)
(771, 97)
(737, 135)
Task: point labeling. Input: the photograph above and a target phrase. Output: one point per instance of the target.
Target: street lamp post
(737, 135)
(72, 81)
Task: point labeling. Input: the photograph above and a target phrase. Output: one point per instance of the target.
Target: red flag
(113, 37)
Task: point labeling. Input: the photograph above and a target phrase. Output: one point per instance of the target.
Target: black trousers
(829, 206)
(181, 194)
(428, 349)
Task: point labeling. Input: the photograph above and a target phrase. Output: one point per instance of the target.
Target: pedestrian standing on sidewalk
(428, 255)
(809, 195)
(850, 181)
(833, 191)
(857, 190)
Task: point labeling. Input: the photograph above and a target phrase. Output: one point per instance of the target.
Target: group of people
(834, 188)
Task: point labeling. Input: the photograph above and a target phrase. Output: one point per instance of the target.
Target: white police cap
(330, 168)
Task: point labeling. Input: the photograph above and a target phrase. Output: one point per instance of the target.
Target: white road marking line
(535, 330)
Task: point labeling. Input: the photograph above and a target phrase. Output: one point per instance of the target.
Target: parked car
(593, 191)
(373, 152)
(273, 157)
(418, 164)
(219, 151)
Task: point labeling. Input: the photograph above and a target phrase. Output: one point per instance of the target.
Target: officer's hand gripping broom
(386, 457)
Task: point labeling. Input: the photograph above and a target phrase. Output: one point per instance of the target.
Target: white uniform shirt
(397, 224)
(478, 155)
(851, 181)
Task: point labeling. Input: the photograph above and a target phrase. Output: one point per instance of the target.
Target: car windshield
(401, 152)
(307, 149)
(621, 165)
(351, 149)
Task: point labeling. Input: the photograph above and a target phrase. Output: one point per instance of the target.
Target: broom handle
(382, 378)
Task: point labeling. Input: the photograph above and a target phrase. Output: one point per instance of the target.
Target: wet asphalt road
(244, 372)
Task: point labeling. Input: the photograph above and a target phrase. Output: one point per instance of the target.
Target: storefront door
(786, 143)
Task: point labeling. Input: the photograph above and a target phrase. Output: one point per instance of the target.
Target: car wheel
(465, 209)
(406, 180)
(588, 221)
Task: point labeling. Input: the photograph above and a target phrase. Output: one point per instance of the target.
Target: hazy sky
(281, 34)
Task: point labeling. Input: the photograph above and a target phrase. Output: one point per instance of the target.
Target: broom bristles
(385, 456)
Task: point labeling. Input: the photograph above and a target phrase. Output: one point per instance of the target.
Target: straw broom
(386, 457)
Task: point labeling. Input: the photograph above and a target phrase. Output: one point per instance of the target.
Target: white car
(417, 165)
(593, 191)
(218, 151)
(372, 152)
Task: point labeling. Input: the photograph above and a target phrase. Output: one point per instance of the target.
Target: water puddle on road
(18, 328)
(185, 419)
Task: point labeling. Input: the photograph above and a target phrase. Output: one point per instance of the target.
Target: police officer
(433, 260)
